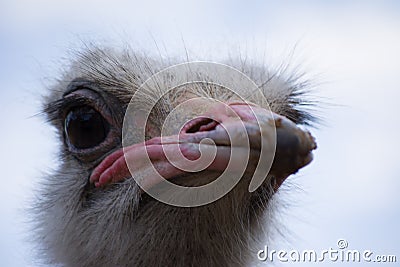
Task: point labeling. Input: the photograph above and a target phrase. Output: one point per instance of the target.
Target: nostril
(201, 124)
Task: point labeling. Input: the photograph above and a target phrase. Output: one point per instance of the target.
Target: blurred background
(350, 49)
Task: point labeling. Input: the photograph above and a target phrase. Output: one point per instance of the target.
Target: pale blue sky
(352, 47)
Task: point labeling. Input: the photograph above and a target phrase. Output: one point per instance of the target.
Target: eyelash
(60, 108)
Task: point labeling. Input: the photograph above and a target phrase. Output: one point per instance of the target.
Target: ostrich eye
(85, 127)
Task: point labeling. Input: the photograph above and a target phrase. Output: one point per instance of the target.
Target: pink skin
(114, 167)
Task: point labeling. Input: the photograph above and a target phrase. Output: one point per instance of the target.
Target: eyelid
(86, 97)
(78, 83)
(70, 102)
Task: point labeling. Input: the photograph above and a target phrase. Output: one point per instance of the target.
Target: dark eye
(85, 127)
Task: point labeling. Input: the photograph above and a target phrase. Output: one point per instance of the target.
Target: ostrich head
(98, 209)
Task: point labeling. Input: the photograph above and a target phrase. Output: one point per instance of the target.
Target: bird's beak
(241, 129)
